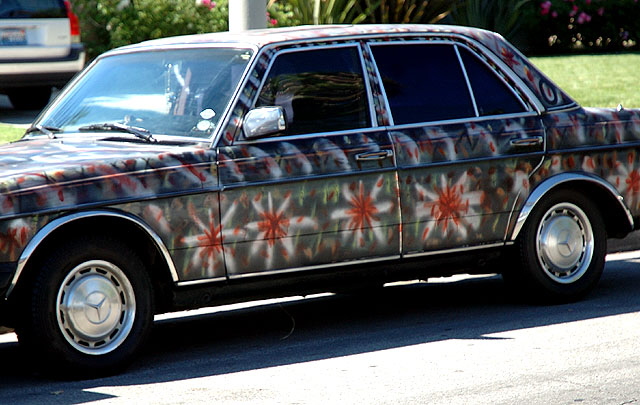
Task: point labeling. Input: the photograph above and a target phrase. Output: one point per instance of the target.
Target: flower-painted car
(200, 170)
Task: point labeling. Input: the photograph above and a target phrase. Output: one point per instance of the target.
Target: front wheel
(562, 248)
(90, 309)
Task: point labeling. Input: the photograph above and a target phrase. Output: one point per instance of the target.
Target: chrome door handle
(533, 141)
(379, 155)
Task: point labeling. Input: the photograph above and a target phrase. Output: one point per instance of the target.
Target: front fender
(58, 223)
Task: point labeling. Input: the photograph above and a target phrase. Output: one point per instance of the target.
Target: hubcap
(565, 243)
(95, 307)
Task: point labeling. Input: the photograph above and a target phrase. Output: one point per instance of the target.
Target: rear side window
(423, 82)
(321, 90)
(492, 95)
(32, 9)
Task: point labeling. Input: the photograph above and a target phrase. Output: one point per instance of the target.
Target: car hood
(52, 174)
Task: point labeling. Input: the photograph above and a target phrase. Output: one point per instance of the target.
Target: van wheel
(91, 308)
(562, 248)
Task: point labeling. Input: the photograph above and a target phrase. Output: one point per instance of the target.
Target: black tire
(562, 249)
(30, 98)
(89, 309)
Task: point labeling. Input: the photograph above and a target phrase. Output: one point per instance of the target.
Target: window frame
(372, 121)
(526, 105)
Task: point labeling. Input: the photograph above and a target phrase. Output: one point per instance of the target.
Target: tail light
(74, 22)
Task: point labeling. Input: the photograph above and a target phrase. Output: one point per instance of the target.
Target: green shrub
(107, 24)
(410, 11)
(150, 19)
(503, 16)
(297, 12)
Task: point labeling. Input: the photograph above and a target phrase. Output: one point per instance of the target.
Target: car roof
(264, 37)
(551, 96)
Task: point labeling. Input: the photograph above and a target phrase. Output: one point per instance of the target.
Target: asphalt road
(462, 342)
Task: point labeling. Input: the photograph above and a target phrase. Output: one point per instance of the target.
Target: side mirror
(263, 121)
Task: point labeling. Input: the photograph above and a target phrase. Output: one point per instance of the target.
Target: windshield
(181, 92)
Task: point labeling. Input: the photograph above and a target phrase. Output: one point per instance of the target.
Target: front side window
(320, 90)
(178, 92)
(423, 82)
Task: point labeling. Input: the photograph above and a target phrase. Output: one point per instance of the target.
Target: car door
(466, 143)
(323, 191)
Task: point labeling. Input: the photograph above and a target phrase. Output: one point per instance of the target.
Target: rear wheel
(562, 248)
(90, 309)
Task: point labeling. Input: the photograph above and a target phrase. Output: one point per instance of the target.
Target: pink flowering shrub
(557, 26)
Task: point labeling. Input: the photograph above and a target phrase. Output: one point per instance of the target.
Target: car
(200, 170)
(40, 48)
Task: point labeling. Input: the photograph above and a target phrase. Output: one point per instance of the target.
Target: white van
(39, 48)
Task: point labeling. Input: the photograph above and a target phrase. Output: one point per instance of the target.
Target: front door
(323, 192)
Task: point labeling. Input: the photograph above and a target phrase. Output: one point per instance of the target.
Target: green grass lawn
(596, 80)
(10, 133)
(593, 80)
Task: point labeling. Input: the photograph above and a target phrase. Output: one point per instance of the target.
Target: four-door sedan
(199, 170)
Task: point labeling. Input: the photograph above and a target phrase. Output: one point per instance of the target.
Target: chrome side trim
(315, 267)
(59, 222)
(549, 184)
(453, 250)
(200, 281)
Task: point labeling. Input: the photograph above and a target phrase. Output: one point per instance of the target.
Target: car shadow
(331, 326)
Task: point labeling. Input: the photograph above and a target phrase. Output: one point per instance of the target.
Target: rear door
(324, 191)
(466, 143)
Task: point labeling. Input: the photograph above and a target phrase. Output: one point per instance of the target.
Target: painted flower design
(626, 179)
(451, 208)
(275, 228)
(210, 255)
(509, 57)
(14, 238)
(362, 215)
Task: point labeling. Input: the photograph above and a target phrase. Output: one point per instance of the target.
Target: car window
(32, 9)
(423, 82)
(492, 95)
(321, 90)
(181, 92)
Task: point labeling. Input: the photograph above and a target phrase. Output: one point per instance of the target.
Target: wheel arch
(128, 227)
(618, 219)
